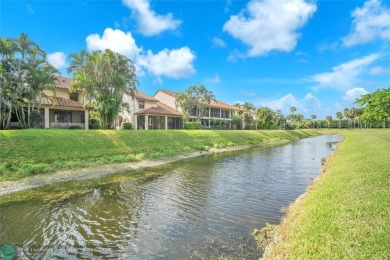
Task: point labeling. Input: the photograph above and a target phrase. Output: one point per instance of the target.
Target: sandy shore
(8, 187)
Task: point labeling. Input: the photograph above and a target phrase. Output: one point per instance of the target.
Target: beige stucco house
(147, 113)
(217, 111)
(64, 107)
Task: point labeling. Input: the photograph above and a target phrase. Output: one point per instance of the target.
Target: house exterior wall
(128, 116)
(59, 92)
(167, 99)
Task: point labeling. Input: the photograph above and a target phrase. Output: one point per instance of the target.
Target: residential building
(216, 113)
(148, 113)
(60, 108)
(64, 107)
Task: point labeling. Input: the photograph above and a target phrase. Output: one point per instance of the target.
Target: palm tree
(313, 117)
(329, 120)
(339, 116)
(248, 114)
(25, 74)
(347, 114)
(195, 97)
(104, 78)
(293, 110)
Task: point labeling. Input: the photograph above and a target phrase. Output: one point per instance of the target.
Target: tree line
(104, 77)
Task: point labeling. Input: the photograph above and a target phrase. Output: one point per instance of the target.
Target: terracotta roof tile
(63, 102)
(142, 96)
(219, 104)
(63, 82)
(160, 109)
(170, 93)
(213, 103)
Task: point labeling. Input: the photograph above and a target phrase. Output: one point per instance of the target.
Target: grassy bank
(346, 212)
(29, 152)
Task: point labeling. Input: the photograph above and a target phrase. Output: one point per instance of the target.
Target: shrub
(74, 127)
(127, 126)
(94, 123)
(192, 125)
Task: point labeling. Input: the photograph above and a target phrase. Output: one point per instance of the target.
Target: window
(74, 97)
(82, 117)
(62, 117)
(141, 104)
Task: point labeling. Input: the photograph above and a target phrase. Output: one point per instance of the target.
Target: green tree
(237, 120)
(104, 78)
(376, 106)
(313, 119)
(293, 110)
(329, 120)
(25, 74)
(195, 100)
(248, 114)
(265, 116)
(339, 116)
(349, 115)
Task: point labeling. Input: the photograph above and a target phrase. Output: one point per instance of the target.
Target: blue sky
(316, 55)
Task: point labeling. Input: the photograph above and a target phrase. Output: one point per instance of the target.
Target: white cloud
(115, 40)
(216, 79)
(150, 23)
(176, 63)
(270, 25)
(346, 75)
(379, 70)
(56, 59)
(308, 105)
(370, 22)
(218, 42)
(353, 94)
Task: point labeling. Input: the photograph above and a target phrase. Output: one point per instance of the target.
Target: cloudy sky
(316, 55)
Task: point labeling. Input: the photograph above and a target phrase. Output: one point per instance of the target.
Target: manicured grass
(346, 212)
(37, 151)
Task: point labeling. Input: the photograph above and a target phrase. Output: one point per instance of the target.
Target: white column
(135, 125)
(47, 118)
(166, 123)
(146, 122)
(86, 121)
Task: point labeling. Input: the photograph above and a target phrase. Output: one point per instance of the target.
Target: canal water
(200, 208)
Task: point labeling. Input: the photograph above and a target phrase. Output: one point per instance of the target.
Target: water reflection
(200, 208)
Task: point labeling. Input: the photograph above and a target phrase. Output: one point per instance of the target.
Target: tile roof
(160, 109)
(170, 93)
(213, 103)
(63, 102)
(142, 96)
(219, 104)
(63, 82)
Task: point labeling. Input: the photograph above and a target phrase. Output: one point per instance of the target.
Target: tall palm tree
(104, 78)
(313, 118)
(329, 120)
(347, 114)
(339, 116)
(293, 109)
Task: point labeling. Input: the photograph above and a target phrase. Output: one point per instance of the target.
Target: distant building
(218, 111)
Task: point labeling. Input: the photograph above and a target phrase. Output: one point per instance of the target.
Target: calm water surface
(199, 208)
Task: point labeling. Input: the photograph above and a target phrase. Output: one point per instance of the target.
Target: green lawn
(346, 213)
(37, 151)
